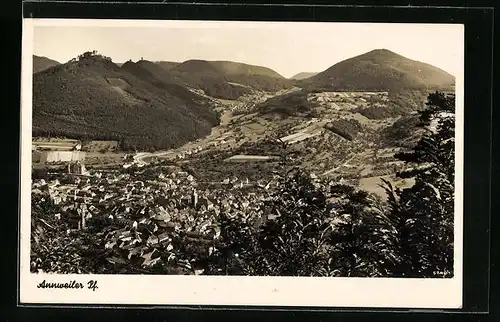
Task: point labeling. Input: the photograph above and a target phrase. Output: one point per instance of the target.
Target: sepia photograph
(196, 149)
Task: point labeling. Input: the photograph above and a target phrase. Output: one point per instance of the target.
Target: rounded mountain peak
(381, 54)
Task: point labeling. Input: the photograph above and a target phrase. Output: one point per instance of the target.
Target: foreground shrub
(424, 213)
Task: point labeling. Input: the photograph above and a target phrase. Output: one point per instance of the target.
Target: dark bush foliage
(348, 129)
(402, 133)
(290, 104)
(39, 174)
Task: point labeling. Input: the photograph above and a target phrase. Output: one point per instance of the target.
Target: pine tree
(364, 239)
(423, 214)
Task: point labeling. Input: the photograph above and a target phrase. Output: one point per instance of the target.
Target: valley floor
(361, 161)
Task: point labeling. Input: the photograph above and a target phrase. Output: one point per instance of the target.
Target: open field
(99, 158)
(374, 184)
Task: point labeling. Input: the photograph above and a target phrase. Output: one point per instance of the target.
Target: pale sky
(288, 48)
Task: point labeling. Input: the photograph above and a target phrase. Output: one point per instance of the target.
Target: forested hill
(230, 68)
(155, 74)
(257, 77)
(381, 70)
(94, 98)
(303, 75)
(228, 80)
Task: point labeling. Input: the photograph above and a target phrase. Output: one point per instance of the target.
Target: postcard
(242, 163)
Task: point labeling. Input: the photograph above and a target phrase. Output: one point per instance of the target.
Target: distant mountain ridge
(407, 83)
(94, 98)
(167, 65)
(158, 76)
(152, 105)
(228, 80)
(230, 68)
(202, 75)
(42, 63)
(219, 79)
(381, 69)
(303, 75)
